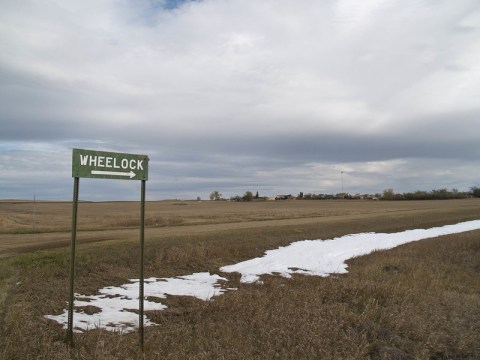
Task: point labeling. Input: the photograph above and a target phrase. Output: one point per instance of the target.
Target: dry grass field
(120, 220)
(417, 301)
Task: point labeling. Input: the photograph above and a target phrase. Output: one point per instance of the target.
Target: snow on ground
(115, 306)
(319, 257)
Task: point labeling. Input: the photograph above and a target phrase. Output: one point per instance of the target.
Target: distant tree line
(314, 196)
(388, 194)
(248, 196)
(309, 196)
(439, 194)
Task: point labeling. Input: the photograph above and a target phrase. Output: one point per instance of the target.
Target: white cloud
(207, 74)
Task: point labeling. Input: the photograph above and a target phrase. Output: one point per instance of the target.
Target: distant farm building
(284, 197)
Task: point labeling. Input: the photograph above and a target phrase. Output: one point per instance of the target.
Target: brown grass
(417, 301)
(17, 217)
(120, 220)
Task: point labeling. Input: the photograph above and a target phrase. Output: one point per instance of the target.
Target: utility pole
(342, 181)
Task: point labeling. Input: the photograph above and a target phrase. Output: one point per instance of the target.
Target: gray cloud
(232, 95)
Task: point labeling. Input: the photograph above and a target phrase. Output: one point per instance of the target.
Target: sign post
(107, 165)
(141, 285)
(76, 183)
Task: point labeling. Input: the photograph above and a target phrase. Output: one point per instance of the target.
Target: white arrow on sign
(131, 174)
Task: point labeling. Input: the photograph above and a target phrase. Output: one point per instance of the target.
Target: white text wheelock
(111, 162)
(109, 165)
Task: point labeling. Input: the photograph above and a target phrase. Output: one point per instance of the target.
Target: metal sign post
(142, 242)
(107, 165)
(76, 183)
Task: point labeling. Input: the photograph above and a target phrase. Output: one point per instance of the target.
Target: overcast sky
(274, 96)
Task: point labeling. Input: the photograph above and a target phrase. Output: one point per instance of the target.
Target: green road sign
(109, 165)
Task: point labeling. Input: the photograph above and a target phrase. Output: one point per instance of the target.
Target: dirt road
(21, 243)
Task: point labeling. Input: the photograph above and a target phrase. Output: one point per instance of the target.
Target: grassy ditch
(417, 301)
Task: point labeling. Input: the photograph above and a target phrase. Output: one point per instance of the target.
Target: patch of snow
(324, 257)
(117, 306)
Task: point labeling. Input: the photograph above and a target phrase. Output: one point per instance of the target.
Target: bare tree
(215, 195)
